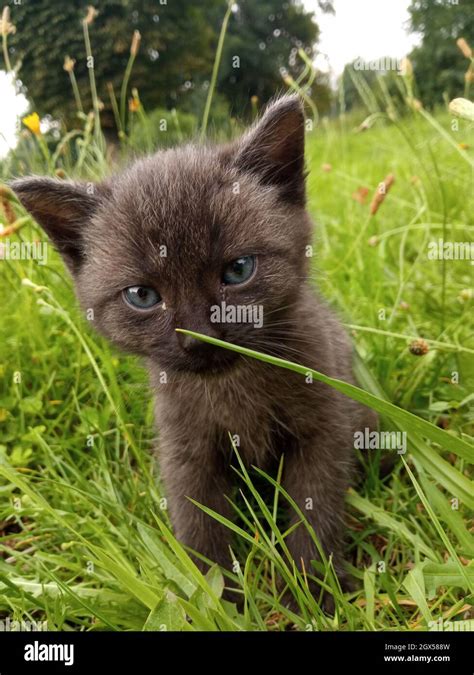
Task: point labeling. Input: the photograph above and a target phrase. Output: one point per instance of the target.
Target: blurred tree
(263, 40)
(438, 62)
(177, 45)
(176, 54)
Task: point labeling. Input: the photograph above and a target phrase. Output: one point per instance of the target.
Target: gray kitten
(183, 239)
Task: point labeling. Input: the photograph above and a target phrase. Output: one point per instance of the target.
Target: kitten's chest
(244, 407)
(252, 405)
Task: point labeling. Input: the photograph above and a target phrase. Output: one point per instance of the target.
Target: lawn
(85, 541)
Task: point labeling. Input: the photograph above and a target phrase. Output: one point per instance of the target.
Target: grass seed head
(92, 14)
(69, 64)
(7, 210)
(461, 107)
(419, 347)
(464, 47)
(6, 27)
(380, 193)
(406, 68)
(414, 103)
(469, 75)
(135, 46)
(360, 195)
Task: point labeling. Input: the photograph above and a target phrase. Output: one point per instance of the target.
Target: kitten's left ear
(63, 209)
(274, 149)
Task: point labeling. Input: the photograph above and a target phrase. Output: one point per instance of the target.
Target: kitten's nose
(192, 344)
(188, 342)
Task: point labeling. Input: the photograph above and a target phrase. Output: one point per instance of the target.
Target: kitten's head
(185, 238)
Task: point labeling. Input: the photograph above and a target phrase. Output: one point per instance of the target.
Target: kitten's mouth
(213, 363)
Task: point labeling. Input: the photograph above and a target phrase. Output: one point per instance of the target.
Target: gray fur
(186, 200)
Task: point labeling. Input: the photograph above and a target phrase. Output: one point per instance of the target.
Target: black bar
(312, 652)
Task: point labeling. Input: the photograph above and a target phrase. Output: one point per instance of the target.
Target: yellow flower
(32, 122)
(134, 104)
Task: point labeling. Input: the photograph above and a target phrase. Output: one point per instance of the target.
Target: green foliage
(161, 128)
(85, 539)
(177, 45)
(175, 57)
(376, 89)
(84, 535)
(439, 64)
(265, 36)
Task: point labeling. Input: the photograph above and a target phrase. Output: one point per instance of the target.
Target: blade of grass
(439, 529)
(215, 70)
(414, 423)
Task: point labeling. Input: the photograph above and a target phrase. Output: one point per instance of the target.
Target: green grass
(85, 541)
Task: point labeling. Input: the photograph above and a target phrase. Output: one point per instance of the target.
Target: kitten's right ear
(62, 209)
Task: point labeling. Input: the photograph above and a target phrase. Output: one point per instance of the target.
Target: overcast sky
(11, 107)
(365, 28)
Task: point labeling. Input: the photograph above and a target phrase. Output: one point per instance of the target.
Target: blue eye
(141, 297)
(239, 270)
